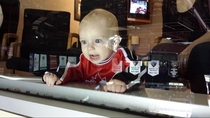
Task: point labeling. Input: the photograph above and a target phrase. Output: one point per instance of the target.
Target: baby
(102, 60)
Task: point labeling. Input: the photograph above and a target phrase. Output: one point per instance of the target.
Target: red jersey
(86, 71)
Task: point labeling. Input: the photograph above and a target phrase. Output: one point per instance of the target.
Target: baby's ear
(115, 42)
(118, 40)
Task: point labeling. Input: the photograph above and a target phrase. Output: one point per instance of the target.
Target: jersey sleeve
(73, 72)
(128, 77)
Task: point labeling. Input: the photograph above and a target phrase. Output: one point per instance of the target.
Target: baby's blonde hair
(103, 17)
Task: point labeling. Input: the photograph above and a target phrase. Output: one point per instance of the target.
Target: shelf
(138, 21)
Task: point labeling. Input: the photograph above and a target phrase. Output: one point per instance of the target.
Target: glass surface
(44, 29)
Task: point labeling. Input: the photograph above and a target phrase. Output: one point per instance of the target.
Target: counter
(29, 96)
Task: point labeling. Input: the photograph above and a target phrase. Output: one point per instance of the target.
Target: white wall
(148, 32)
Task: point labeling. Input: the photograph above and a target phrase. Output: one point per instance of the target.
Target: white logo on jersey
(93, 79)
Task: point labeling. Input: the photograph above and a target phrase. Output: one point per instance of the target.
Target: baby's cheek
(83, 49)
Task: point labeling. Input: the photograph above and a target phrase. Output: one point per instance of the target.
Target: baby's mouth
(94, 57)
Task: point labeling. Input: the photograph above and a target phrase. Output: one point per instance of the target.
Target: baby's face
(93, 39)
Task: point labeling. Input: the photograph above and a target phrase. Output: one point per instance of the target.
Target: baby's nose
(90, 47)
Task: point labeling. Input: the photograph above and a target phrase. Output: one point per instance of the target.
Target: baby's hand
(51, 79)
(115, 86)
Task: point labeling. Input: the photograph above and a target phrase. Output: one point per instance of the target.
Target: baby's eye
(98, 41)
(83, 42)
